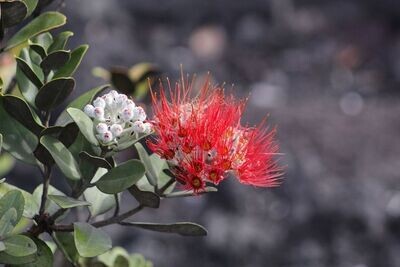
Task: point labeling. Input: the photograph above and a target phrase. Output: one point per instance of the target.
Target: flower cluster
(204, 141)
(116, 118)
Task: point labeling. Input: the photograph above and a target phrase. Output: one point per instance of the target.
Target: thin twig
(112, 220)
(46, 184)
(116, 211)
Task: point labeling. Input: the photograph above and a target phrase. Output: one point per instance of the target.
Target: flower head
(203, 140)
(116, 118)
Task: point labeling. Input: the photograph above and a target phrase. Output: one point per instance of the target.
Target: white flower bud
(121, 98)
(127, 114)
(101, 128)
(107, 137)
(99, 103)
(108, 98)
(139, 114)
(138, 126)
(147, 127)
(113, 93)
(116, 129)
(130, 103)
(99, 113)
(89, 110)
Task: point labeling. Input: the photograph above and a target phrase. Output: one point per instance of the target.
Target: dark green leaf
(67, 245)
(54, 93)
(94, 160)
(28, 71)
(145, 198)
(42, 23)
(13, 12)
(38, 49)
(62, 156)
(181, 228)
(55, 60)
(18, 140)
(90, 241)
(121, 80)
(12, 199)
(66, 134)
(60, 41)
(44, 39)
(84, 123)
(67, 202)
(1, 141)
(31, 5)
(8, 259)
(20, 111)
(121, 177)
(44, 255)
(70, 67)
(19, 246)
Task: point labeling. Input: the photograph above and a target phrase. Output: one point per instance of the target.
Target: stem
(116, 211)
(112, 220)
(46, 183)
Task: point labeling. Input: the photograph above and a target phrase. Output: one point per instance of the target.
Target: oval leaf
(8, 222)
(13, 12)
(60, 41)
(67, 202)
(44, 255)
(54, 93)
(181, 228)
(145, 198)
(19, 246)
(55, 60)
(84, 123)
(42, 23)
(12, 199)
(28, 72)
(70, 67)
(121, 177)
(62, 156)
(90, 241)
(20, 111)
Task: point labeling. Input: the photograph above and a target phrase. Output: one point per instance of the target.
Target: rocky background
(327, 72)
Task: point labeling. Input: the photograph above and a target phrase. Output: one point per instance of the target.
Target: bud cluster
(117, 119)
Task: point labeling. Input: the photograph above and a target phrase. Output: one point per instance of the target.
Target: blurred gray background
(327, 72)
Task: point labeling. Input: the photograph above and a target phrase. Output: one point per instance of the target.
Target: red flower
(203, 140)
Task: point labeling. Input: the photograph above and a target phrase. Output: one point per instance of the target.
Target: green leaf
(67, 246)
(70, 67)
(7, 163)
(28, 72)
(45, 22)
(21, 111)
(137, 260)
(55, 60)
(12, 199)
(84, 123)
(44, 255)
(27, 88)
(19, 246)
(60, 41)
(62, 156)
(145, 198)
(80, 102)
(67, 202)
(13, 12)
(39, 49)
(18, 140)
(151, 174)
(90, 241)
(30, 208)
(121, 177)
(1, 143)
(121, 80)
(181, 228)
(31, 5)
(113, 257)
(45, 39)
(8, 222)
(94, 160)
(8, 259)
(100, 201)
(2, 246)
(54, 93)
